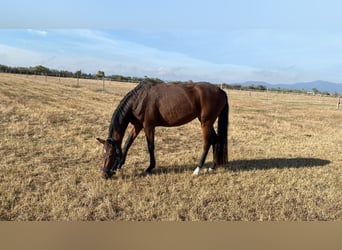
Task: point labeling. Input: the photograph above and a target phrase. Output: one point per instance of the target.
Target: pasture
(285, 160)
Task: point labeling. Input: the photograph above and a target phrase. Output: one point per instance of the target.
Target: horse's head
(112, 157)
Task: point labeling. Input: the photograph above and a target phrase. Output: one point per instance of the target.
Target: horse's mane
(124, 107)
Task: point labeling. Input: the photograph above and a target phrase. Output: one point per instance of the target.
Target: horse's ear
(101, 140)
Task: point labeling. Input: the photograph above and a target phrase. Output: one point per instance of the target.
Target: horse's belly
(176, 115)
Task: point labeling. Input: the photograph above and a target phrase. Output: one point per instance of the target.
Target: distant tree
(315, 91)
(40, 70)
(236, 86)
(135, 79)
(260, 87)
(65, 73)
(78, 73)
(251, 87)
(100, 74)
(3, 68)
(116, 77)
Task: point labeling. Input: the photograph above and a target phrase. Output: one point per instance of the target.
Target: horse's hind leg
(213, 141)
(209, 138)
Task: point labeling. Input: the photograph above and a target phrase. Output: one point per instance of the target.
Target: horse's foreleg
(150, 144)
(130, 139)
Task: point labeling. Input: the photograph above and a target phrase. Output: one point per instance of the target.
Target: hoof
(211, 170)
(148, 172)
(196, 172)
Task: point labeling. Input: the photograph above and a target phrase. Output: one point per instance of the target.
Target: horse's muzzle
(107, 173)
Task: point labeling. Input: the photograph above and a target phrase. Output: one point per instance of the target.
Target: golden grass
(284, 158)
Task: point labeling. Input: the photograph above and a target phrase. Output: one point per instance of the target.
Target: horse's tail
(220, 149)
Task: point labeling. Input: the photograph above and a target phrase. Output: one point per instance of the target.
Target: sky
(217, 41)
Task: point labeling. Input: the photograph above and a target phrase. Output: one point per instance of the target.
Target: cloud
(42, 33)
(91, 51)
(164, 65)
(13, 56)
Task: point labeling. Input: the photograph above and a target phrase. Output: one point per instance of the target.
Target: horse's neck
(118, 126)
(119, 133)
(124, 112)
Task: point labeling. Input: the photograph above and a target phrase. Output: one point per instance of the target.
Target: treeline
(41, 70)
(241, 87)
(37, 70)
(253, 87)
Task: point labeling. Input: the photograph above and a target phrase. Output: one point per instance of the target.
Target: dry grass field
(285, 161)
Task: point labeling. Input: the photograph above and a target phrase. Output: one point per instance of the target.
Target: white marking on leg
(196, 172)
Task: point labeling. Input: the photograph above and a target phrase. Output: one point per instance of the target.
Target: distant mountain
(308, 86)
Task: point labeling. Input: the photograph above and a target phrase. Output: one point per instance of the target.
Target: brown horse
(152, 104)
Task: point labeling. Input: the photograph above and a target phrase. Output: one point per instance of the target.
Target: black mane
(124, 108)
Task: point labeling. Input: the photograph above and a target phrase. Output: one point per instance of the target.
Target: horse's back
(177, 104)
(172, 104)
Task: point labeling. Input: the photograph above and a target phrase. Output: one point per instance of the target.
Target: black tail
(220, 149)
